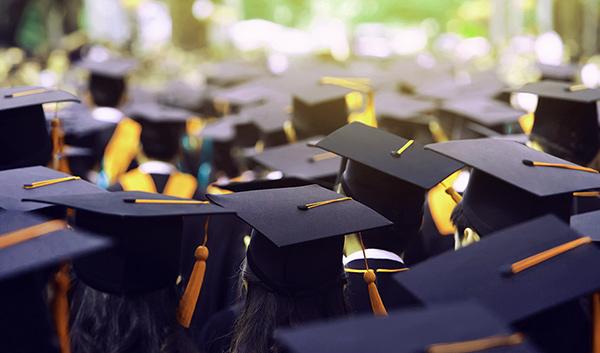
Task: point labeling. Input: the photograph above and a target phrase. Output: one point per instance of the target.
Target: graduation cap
(79, 126)
(24, 138)
(319, 109)
(270, 120)
(295, 224)
(480, 115)
(30, 247)
(404, 115)
(229, 73)
(246, 95)
(512, 183)
(431, 330)
(21, 183)
(588, 224)
(147, 231)
(182, 95)
(264, 184)
(566, 120)
(301, 161)
(517, 272)
(111, 67)
(563, 72)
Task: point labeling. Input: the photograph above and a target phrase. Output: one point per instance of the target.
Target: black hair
(459, 219)
(103, 322)
(161, 141)
(265, 310)
(107, 91)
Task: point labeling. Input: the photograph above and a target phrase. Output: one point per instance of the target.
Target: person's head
(289, 295)
(107, 91)
(161, 141)
(397, 200)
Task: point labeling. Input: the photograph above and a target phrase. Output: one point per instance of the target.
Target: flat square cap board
(110, 67)
(561, 90)
(12, 189)
(503, 159)
(300, 160)
(484, 111)
(407, 331)
(119, 204)
(276, 213)
(20, 97)
(375, 148)
(47, 249)
(156, 113)
(262, 184)
(393, 105)
(587, 224)
(479, 271)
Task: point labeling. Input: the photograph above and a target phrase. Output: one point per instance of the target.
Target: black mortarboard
(511, 183)
(377, 149)
(486, 112)
(294, 224)
(12, 188)
(270, 119)
(79, 127)
(30, 248)
(404, 115)
(562, 72)
(47, 249)
(111, 67)
(24, 138)
(263, 184)
(319, 109)
(229, 73)
(183, 95)
(246, 95)
(566, 120)
(156, 113)
(407, 332)
(146, 229)
(489, 271)
(301, 161)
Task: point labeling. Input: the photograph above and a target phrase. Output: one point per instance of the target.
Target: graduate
(125, 298)
(293, 273)
(391, 175)
(107, 88)
(162, 131)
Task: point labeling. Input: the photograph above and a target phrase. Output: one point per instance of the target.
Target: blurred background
(175, 36)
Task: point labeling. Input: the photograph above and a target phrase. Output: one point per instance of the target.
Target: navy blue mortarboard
(430, 330)
(111, 67)
(24, 138)
(566, 120)
(293, 224)
(512, 183)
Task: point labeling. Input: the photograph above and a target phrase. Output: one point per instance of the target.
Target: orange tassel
(60, 307)
(376, 302)
(596, 318)
(370, 277)
(187, 304)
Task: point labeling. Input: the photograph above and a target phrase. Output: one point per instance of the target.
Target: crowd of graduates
(376, 206)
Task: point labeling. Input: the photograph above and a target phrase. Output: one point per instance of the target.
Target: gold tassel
(596, 322)
(187, 304)
(60, 307)
(370, 277)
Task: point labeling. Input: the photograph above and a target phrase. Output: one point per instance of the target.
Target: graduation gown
(218, 332)
(385, 264)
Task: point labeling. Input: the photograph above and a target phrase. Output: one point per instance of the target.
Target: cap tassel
(187, 304)
(453, 193)
(60, 307)
(596, 318)
(370, 277)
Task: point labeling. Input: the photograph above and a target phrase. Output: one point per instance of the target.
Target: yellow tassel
(60, 307)
(376, 302)
(187, 304)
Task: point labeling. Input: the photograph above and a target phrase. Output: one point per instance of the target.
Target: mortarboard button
(431, 330)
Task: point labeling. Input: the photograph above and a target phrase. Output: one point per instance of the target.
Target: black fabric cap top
(402, 331)
(45, 250)
(393, 105)
(503, 159)
(12, 190)
(157, 113)
(561, 91)
(262, 184)
(479, 271)
(587, 224)
(147, 237)
(24, 138)
(299, 160)
(485, 111)
(287, 233)
(376, 149)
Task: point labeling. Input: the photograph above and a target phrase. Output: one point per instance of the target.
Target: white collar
(157, 167)
(107, 114)
(373, 254)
